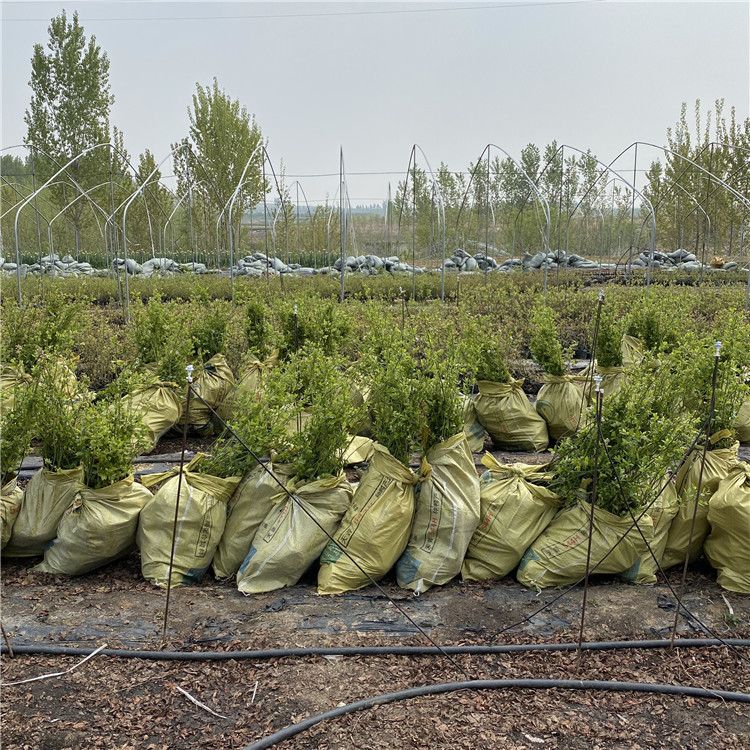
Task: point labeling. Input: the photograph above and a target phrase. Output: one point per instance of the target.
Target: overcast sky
(376, 78)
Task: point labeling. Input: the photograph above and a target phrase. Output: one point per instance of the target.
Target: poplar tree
(69, 111)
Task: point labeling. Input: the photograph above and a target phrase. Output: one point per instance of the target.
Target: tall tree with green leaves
(223, 137)
(69, 112)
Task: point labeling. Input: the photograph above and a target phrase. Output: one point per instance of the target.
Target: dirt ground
(110, 702)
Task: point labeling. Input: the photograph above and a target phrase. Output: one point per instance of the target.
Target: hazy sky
(376, 78)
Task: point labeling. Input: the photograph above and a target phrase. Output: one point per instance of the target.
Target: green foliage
(608, 352)
(317, 450)
(695, 360)
(644, 434)
(258, 329)
(17, 428)
(443, 410)
(654, 321)
(323, 323)
(58, 413)
(110, 437)
(160, 340)
(396, 399)
(209, 332)
(259, 421)
(489, 361)
(69, 109)
(545, 346)
(51, 327)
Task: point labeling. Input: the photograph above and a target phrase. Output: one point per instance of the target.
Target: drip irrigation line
(296, 500)
(41, 649)
(450, 687)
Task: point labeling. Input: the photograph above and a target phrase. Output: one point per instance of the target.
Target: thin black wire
(296, 500)
(566, 591)
(680, 605)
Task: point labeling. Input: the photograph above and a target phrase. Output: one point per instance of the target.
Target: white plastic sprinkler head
(601, 295)
(598, 381)
(189, 369)
(401, 291)
(295, 309)
(718, 348)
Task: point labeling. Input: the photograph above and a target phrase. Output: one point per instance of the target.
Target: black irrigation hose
(449, 687)
(277, 653)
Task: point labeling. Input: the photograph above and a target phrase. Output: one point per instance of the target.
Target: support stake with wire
(599, 397)
(189, 370)
(717, 345)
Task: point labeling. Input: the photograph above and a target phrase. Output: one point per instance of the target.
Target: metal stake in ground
(592, 365)
(189, 370)
(599, 397)
(717, 345)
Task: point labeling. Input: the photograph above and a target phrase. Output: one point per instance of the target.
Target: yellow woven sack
(662, 512)
(293, 534)
(558, 556)
(728, 546)
(375, 529)
(631, 349)
(48, 495)
(159, 406)
(515, 509)
(718, 463)
(509, 417)
(473, 428)
(202, 515)
(11, 499)
(248, 381)
(447, 513)
(246, 509)
(359, 450)
(212, 382)
(560, 403)
(742, 425)
(613, 378)
(98, 527)
(12, 379)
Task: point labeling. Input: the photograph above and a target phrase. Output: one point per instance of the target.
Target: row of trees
(496, 201)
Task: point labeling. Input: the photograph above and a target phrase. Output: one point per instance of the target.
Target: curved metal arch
(441, 217)
(532, 188)
(310, 216)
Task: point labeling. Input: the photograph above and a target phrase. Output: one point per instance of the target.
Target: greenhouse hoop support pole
(598, 394)
(189, 370)
(30, 198)
(125, 216)
(342, 209)
(231, 206)
(698, 489)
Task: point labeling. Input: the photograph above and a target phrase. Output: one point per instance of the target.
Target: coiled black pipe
(449, 687)
(277, 653)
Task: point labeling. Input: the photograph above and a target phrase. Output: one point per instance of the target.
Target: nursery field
(517, 465)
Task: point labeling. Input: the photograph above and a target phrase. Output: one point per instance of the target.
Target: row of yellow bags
(431, 526)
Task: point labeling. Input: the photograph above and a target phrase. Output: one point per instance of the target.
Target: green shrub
(396, 400)
(209, 331)
(317, 450)
(608, 341)
(644, 431)
(259, 422)
(110, 437)
(544, 344)
(258, 329)
(17, 429)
